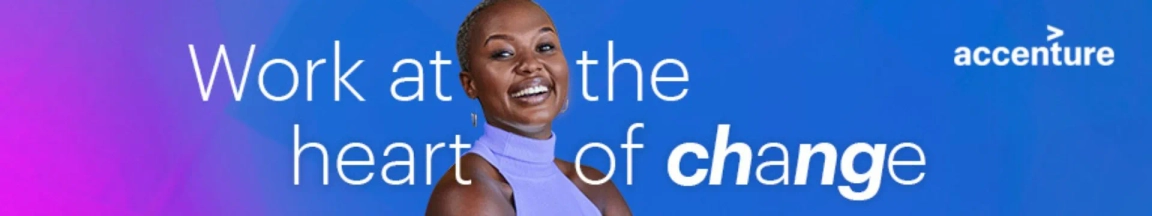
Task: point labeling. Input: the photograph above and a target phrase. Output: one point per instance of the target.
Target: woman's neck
(541, 132)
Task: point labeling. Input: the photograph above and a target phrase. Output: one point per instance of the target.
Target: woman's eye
(545, 48)
(501, 54)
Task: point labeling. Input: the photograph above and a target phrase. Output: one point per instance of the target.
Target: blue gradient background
(998, 140)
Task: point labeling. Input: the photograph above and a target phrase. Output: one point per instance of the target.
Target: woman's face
(517, 68)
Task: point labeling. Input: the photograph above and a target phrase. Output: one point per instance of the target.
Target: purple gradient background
(90, 126)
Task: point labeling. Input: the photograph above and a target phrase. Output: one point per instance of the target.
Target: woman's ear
(467, 81)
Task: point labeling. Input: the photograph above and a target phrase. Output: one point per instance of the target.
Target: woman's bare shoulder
(487, 194)
(605, 196)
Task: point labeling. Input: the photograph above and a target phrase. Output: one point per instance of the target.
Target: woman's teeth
(531, 91)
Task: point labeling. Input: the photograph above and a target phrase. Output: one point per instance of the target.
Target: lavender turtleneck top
(538, 186)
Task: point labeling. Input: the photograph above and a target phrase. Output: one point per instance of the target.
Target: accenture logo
(1044, 55)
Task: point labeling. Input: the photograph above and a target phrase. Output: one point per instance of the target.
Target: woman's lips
(530, 92)
(534, 99)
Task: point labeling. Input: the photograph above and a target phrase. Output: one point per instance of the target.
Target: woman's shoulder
(605, 196)
(487, 193)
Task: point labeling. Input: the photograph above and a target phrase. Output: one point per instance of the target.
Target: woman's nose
(529, 64)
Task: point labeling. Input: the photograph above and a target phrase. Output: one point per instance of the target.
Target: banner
(433, 107)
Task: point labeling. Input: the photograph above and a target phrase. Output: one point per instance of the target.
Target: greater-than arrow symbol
(1055, 32)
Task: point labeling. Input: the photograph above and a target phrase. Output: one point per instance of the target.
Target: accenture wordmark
(1054, 54)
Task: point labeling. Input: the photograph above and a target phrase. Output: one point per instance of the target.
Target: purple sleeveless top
(538, 186)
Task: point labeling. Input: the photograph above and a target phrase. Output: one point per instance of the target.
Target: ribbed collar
(513, 146)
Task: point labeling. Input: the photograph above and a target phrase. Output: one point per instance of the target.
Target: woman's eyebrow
(497, 36)
(506, 37)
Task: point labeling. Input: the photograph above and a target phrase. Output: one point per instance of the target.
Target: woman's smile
(531, 92)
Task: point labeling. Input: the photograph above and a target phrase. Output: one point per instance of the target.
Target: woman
(511, 61)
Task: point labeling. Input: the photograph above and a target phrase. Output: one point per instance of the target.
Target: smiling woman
(512, 63)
